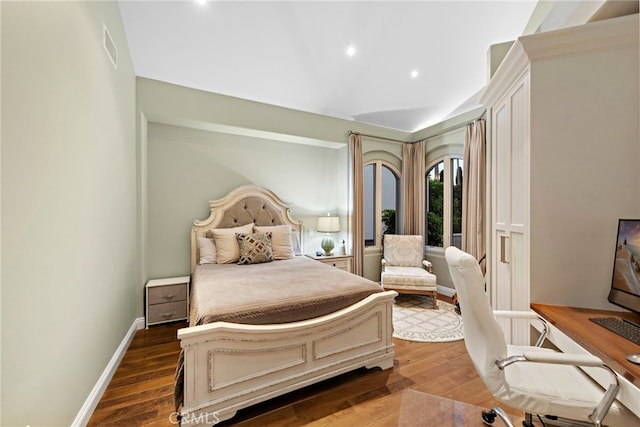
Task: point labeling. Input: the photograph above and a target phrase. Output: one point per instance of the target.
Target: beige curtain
(473, 190)
(413, 187)
(355, 148)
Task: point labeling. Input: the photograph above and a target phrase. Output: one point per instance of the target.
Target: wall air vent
(109, 46)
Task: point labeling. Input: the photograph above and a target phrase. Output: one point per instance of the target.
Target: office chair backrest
(483, 335)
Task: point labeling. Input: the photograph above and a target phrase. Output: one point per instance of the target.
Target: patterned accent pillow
(255, 248)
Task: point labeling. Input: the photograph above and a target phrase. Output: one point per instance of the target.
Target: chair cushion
(409, 276)
(549, 389)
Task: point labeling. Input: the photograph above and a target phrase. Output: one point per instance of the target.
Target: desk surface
(608, 346)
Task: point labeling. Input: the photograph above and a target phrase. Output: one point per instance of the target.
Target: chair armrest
(427, 265)
(563, 358)
(578, 360)
(383, 263)
(514, 314)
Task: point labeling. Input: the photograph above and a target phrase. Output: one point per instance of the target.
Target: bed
(294, 321)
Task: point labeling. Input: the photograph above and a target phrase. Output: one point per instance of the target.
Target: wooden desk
(573, 324)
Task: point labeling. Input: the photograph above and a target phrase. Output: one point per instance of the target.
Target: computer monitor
(625, 280)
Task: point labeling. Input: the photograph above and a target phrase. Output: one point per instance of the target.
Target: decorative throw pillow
(280, 240)
(227, 249)
(255, 248)
(207, 250)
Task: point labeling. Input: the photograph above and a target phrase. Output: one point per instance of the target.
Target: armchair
(404, 268)
(536, 380)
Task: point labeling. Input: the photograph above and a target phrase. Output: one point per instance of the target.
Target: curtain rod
(379, 137)
(482, 116)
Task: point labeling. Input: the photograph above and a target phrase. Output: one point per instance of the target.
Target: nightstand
(343, 262)
(167, 300)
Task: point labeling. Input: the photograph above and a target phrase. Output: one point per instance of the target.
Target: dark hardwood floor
(141, 391)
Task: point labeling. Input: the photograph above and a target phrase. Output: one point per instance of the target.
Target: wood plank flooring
(141, 391)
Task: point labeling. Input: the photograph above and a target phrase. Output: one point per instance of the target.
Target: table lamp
(328, 224)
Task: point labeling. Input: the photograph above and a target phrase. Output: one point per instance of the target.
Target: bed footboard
(230, 366)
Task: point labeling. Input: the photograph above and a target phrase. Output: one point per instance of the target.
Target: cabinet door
(510, 207)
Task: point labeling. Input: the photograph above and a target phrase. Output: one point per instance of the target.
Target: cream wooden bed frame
(230, 366)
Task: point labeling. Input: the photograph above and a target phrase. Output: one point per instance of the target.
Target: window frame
(377, 194)
(447, 200)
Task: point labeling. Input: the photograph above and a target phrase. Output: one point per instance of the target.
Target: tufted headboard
(241, 206)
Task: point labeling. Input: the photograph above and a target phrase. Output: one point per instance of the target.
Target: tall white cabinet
(563, 151)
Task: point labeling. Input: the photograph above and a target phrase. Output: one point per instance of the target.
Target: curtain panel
(355, 148)
(473, 190)
(413, 188)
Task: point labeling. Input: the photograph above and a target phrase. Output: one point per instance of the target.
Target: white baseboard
(98, 390)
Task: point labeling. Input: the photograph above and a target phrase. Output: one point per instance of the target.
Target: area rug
(415, 320)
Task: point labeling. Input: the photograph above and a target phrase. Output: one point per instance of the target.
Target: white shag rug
(415, 320)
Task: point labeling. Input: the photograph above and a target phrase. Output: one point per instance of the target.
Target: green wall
(68, 205)
(188, 167)
(196, 146)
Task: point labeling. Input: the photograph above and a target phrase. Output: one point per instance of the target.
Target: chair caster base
(488, 417)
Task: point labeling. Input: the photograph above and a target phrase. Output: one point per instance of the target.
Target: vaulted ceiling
(294, 53)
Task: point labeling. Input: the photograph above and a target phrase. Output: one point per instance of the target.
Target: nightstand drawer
(166, 312)
(167, 299)
(166, 294)
(342, 264)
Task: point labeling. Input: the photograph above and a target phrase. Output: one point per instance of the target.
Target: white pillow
(281, 242)
(207, 249)
(227, 248)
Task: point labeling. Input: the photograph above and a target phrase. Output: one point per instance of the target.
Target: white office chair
(536, 380)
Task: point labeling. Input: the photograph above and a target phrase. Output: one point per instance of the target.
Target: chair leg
(434, 299)
(528, 420)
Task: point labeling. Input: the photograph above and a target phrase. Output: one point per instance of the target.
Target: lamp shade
(328, 224)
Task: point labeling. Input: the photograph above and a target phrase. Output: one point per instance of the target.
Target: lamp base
(327, 245)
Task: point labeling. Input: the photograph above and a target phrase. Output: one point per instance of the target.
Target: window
(456, 203)
(434, 208)
(381, 193)
(444, 203)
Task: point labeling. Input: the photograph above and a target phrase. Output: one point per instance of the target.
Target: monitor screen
(625, 281)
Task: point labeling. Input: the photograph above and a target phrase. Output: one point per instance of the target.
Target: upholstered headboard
(241, 206)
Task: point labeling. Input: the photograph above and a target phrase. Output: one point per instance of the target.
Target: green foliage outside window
(389, 221)
(435, 214)
(457, 208)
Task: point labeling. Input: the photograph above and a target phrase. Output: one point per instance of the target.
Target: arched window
(381, 201)
(444, 202)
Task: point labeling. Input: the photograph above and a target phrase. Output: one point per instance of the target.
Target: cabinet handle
(503, 251)
(169, 297)
(168, 315)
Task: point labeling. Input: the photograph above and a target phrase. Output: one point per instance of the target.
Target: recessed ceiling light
(414, 74)
(351, 50)
(202, 2)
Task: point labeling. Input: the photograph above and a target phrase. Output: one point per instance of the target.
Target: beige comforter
(276, 292)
